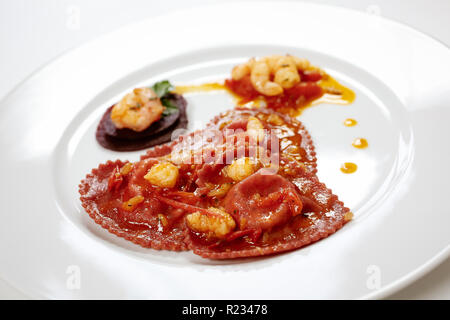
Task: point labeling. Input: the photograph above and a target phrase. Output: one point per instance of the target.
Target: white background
(33, 32)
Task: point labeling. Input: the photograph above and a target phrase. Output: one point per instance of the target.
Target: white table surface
(33, 32)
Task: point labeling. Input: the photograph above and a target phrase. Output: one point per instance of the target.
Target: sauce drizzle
(334, 92)
(212, 86)
(349, 167)
(360, 143)
(349, 122)
(331, 92)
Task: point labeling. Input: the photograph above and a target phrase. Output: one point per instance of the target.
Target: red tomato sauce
(298, 96)
(273, 212)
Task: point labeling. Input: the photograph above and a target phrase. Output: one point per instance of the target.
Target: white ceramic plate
(50, 248)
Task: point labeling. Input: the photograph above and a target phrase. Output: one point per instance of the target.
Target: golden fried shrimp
(286, 74)
(240, 169)
(240, 71)
(272, 61)
(284, 69)
(137, 110)
(260, 79)
(164, 174)
(300, 63)
(285, 62)
(216, 225)
(243, 69)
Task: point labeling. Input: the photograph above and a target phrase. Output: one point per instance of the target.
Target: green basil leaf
(170, 107)
(162, 88)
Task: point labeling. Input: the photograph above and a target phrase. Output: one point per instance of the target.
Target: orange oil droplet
(350, 122)
(360, 143)
(348, 167)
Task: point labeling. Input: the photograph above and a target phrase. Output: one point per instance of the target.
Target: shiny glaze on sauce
(119, 197)
(315, 88)
(294, 141)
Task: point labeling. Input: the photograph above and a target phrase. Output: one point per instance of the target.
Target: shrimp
(137, 110)
(243, 69)
(260, 76)
(163, 174)
(240, 71)
(284, 69)
(272, 61)
(300, 63)
(218, 224)
(286, 74)
(240, 169)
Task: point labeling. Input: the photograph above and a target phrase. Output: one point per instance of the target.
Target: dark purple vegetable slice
(159, 132)
(127, 134)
